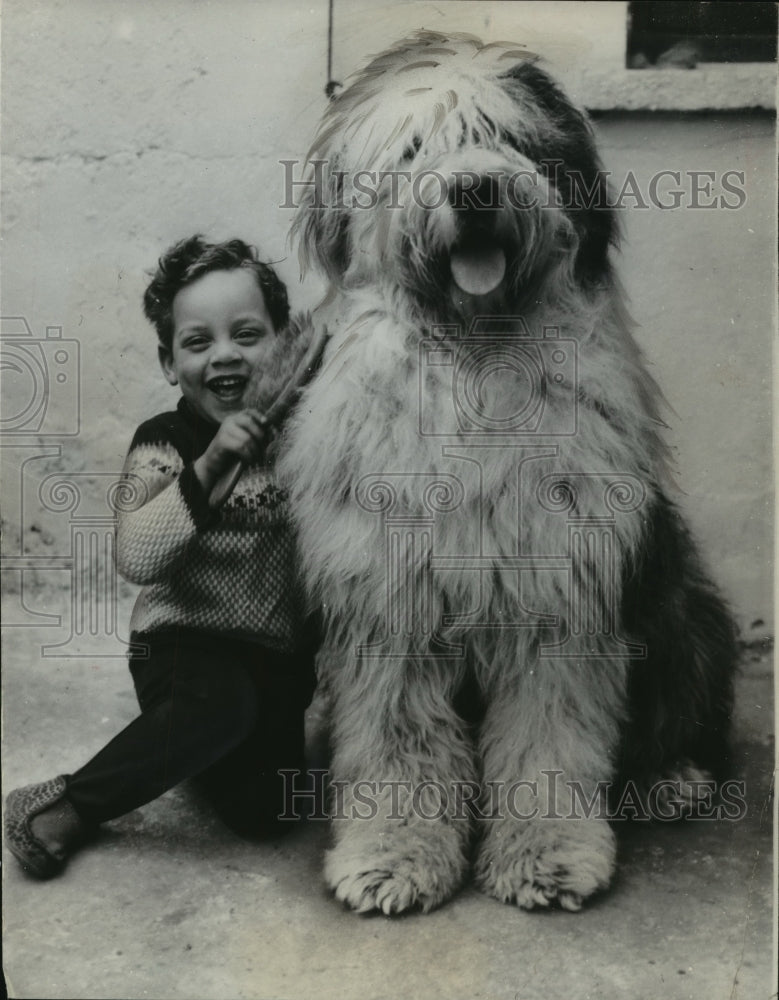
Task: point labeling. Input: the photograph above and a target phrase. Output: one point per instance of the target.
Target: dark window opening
(683, 34)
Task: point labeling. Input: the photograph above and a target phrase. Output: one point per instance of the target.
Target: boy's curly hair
(193, 257)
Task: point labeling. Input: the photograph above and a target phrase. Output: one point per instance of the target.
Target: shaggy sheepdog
(517, 622)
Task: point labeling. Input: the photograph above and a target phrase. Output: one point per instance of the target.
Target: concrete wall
(130, 124)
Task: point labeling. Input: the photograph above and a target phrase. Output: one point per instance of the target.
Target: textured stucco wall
(130, 124)
(584, 42)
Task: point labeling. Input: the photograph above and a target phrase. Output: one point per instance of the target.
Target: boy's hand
(242, 437)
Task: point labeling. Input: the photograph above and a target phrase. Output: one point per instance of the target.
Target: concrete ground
(168, 903)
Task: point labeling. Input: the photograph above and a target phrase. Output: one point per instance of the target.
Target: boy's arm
(162, 506)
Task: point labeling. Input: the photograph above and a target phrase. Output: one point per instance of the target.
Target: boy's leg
(197, 705)
(245, 786)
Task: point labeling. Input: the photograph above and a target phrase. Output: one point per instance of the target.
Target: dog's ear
(566, 154)
(321, 222)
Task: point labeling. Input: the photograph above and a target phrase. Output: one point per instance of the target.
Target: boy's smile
(222, 335)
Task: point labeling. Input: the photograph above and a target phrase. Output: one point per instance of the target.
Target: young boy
(222, 667)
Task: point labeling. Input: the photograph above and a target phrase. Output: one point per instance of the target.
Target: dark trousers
(227, 711)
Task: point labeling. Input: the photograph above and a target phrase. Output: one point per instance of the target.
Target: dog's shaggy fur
(506, 597)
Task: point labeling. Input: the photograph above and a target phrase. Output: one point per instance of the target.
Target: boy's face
(222, 335)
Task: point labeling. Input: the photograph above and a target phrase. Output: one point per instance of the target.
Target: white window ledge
(710, 86)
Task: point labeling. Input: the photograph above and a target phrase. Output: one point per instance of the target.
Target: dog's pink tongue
(478, 269)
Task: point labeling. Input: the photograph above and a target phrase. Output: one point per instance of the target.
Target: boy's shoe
(59, 831)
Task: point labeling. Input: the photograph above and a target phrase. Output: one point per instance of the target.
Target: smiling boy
(222, 333)
(221, 657)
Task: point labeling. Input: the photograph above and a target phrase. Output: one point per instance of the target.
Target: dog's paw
(378, 884)
(395, 872)
(534, 866)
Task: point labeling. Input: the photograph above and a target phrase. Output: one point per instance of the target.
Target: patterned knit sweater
(230, 571)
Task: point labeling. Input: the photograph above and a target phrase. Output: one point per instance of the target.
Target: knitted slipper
(21, 807)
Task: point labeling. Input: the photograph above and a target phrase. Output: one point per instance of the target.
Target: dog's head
(459, 172)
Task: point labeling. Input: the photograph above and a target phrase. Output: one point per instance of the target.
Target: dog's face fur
(445, 152)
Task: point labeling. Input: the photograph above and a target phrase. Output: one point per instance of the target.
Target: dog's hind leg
(401, 759)
(680, 695)
(548, 743)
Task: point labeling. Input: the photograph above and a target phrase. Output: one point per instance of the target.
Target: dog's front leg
(402, 766)
(548, 746)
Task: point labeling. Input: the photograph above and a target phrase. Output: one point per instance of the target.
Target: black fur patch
(568, 160)
(681, 696)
